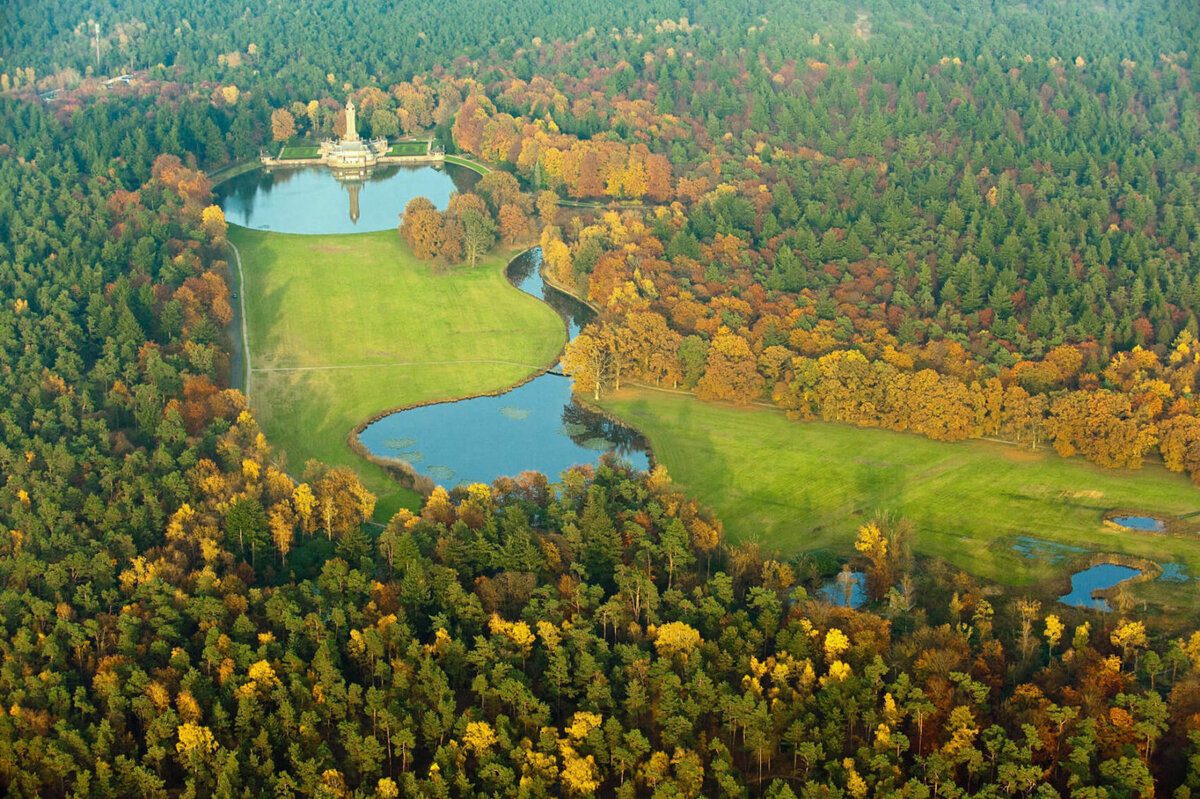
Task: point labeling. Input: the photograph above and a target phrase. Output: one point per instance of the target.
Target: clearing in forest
(344, 327)
(800, 486)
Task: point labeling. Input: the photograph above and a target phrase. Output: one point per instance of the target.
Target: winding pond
(537, 426)
(1103, 575)
(311, 200)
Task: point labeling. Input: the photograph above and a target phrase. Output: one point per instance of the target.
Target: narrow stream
(537, 426)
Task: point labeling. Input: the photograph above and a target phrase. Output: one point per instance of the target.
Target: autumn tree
(547, 207)
(283, 124)
(479, 234)
(499, 189)
(729, 371)
(589, 361)
(214, 223)
(513, 223)
(422, 228)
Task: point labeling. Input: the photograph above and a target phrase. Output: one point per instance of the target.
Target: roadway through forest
(239, 354)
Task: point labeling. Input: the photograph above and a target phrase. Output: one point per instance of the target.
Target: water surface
(537, 426)
(846, 590)
(1147, 523)
(313, 200)
(1104, 575)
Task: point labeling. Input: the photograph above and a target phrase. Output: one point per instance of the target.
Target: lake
(311, 200)
(537, 426)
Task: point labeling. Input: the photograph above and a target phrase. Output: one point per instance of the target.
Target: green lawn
(799, 486)
(344, 327)
(468, 163)
(300, 151)
(409, 148)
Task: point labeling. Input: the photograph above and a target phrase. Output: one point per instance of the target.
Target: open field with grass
(409, 148)
(344, 327)
(300, 151)
(799, 486)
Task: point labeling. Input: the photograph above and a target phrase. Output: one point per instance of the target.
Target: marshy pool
(1103, 575)
(1174, 573)
(1148, 524)
(1038, 549)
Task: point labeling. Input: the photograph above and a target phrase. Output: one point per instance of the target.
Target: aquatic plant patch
(1037, 549)
(443, 474)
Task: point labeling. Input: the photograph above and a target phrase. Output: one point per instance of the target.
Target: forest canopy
(962, 220)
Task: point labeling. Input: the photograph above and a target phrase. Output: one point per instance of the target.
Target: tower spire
(351, 124)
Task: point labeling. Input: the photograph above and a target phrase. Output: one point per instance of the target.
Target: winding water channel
(537, 426)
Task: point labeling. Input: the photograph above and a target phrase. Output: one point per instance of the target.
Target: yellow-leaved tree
(195, 741)
(479, 737)
(836, 642)
(1130, 636)
(579, 774)
(676, 638)
(588, 360)
(212, 218)
(1054, 632)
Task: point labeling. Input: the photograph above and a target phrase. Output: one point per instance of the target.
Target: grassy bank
(469, 163)
(799, 486)
(345, 327)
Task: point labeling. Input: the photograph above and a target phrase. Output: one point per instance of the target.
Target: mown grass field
(800, 486)
(299, 151)
(409, 148)
(344, 327)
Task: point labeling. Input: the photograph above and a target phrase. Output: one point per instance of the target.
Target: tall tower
(351, 130)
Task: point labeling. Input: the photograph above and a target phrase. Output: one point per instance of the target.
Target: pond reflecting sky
(311, 200)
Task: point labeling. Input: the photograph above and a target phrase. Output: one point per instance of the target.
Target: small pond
(537, 426)
(846, 590)
(312, 200)
(1144, 523)
(1103, 575)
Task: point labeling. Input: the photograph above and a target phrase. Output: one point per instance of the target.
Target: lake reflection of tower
(353, 189)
